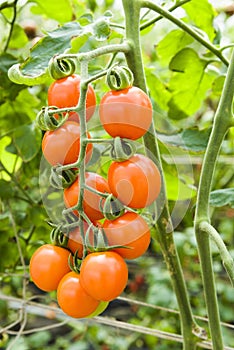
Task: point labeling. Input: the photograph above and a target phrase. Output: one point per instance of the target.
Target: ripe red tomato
(126, 113)
(129, 230)
(48, 265)
(104, 275)
(65, 92)
(136, 182)
(91, 200)
(72, 297)
(62, 146)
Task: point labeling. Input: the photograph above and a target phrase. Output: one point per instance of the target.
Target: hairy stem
(166, 14)
(226, 257)
(222, 122)
(163, 227)
(157, 18)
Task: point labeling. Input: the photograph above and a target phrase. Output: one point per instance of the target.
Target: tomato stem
(163, 228)
(222, 121)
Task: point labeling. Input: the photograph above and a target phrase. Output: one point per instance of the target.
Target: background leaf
(54, 9)
(173, 42)
(189, 83)
(220, 198)
(27, 139)
(201, 12)
(194, 140)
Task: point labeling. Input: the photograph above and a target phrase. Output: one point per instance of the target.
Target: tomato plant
(129, 230)
(104, 275)
(62, 146)
(65, 92)
(48, 264)
(73, 298)
(75, 242)
(91, 202)
(136, 182)
(126, 113)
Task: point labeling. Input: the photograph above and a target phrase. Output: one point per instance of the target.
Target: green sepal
(111, 207)
(61, 68)
(119, 77)
(122, 149)
(61, 179)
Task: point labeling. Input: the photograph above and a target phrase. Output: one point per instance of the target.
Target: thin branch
(14, 5)
(157, 18)
(226, 257)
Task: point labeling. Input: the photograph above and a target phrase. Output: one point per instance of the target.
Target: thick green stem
(222, 121)
(166, 14)
(164, 227)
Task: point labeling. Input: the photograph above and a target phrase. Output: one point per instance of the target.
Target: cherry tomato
(126, 113)
(48, 265)
(130, 230)
(91, 200)
(136, 182)
(62, 146)
(65, 92)
(72, 297)
(104, 275)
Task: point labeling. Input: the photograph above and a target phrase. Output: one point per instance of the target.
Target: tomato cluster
(86, 288)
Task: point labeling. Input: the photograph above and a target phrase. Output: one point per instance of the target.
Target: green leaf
(27, 139)
(60, 10)
(201, 12)
(18, 39)
(176, 189)
(173, 42)
(6, 189)
(8, 90)
(10, 161)
(33, 71)
(189, 83)
(158, 90)
(194, 140)
(220, 198)
(217, 86)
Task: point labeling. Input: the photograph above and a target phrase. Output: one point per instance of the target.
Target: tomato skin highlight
(73, 299)
(126, 113)
(91, 200)
(136, 182)
(129, 230)
(48, 265)
(65, 92)
(62, 146)
(104, 275)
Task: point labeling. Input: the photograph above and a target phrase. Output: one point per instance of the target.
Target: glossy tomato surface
(104, 275)
(136, 182)
(126, 113)
(65, 92)
(48, 265)
(91, 202)
(72, 297)
(129, 230)
(62, 146)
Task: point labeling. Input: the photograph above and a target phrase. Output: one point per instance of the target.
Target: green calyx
(61, 68)
(57, 237)
(111, 207)
(62, 178)
(119, 78)
(46, 120)
(122, 149)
